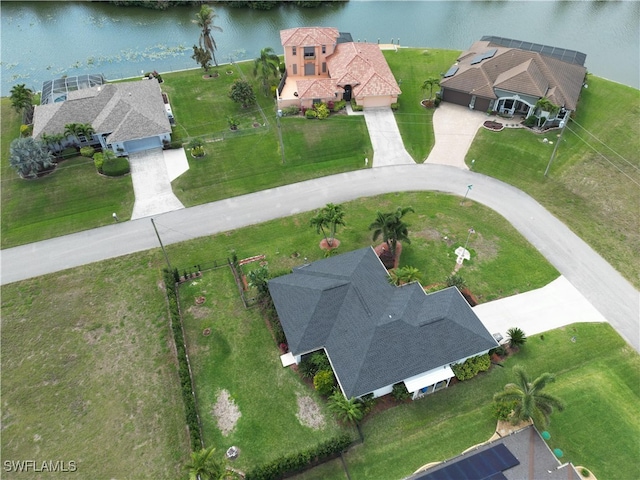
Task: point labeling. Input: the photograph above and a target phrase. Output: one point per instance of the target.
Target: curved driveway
(614, 297)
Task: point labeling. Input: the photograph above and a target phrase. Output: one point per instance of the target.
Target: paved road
(613, 296)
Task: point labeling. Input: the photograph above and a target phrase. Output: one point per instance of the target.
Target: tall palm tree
(78, 131)
(329, 217)
(205, 19)
(531, 402)
(204, 466)
(265, 67)
(320, 222)
(392, 228)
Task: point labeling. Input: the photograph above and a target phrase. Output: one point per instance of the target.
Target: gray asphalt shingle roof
(375, 334)
(128, 111)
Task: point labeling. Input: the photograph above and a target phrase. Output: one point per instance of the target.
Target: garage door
(142, 144)
(454, 96)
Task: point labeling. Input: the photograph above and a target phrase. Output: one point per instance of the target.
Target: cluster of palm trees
(392, 228)
(328, 218)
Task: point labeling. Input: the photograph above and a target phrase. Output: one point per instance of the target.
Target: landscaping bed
(494, 126)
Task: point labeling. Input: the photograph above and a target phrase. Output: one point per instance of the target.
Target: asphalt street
(612, 295)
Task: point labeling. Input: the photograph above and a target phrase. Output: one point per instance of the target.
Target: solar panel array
(483, 56)
(451, 72)
(569, 56)
(486, 465)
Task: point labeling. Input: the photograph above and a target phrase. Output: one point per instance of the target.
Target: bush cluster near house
(471, 367)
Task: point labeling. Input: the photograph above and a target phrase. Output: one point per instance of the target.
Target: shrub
(330, 105)
(324, 381)
(320, 361)
(26, 130)
(400, 392)
(339, 105)
(292, 110)
(197, 151)
(584, 472)
(87, 151)
(98, 160)
(437, 102)
(471, 367)
(195, 142)
(322, 111)
(310, 113)
(530, 121)
(502, 410)
(355, 107)
(395, 106)
(115, 167)
(175, 144)
(517, 338)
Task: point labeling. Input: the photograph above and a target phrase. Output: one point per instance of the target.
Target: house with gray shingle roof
(374, 333)
(324, 65)
(510, 76)
(127, 117)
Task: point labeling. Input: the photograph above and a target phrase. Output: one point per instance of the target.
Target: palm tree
(330, 217)
(265, 67)
(53, 141)
(205, 19)
(530, 401)
(430, 83)
(392, 228)
(21, 98)
(204, 467)
(87, 131)
(29, 157)
(517, 338)
(348, 410)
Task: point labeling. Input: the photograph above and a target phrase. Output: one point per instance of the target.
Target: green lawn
(71, 199)
(241, 357)
(598, 376)
(596, 197)
(88, 372)
(411, 67)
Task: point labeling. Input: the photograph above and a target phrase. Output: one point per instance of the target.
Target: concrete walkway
(554, 305)
(152, 184)
(388, 148)
(454, 127)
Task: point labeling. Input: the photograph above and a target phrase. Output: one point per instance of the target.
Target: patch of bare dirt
(309, 413)
(428, 234)
(199, 312)
(226, 413)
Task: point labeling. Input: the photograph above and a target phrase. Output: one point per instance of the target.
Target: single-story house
(324, 65)
(127, 117)
(509, 76)
(374, 333)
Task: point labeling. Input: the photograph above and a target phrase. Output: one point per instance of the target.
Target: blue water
(44, 40)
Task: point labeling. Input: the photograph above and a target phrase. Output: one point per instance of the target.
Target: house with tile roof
(324, 65)
(127, 117)
(510, 76)
(376, 334)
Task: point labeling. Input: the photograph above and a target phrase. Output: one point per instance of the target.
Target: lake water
(45, 40)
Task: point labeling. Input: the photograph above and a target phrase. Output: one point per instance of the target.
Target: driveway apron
(388, 148)
(454, 127)
(151, 185)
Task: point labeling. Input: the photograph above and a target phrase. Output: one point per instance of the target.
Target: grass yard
(598, 377)
(89, 374)
(71, 199)
(240, 357)
(503, 262)
(411, 67)
(596, 197)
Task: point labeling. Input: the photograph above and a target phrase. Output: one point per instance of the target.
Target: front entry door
(346, 96)
(309, 69)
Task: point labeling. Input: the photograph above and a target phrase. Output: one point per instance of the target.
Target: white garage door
(141, 144)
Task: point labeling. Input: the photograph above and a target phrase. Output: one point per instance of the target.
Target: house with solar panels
(376, 334)
(509, 77)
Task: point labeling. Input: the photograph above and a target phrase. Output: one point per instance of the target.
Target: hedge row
(471, 367)
(170, 281)
(299, 461)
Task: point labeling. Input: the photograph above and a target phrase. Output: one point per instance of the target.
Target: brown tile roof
(308, 36)
(317, 88)
(519, 71)
(365, 64)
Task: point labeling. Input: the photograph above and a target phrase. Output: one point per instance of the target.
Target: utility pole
(555, 148)
(161, 245)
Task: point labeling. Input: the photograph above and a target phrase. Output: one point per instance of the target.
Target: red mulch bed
(491, 125)
(324, 245)
(384, 254)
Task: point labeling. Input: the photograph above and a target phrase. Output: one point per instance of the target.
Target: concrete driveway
(454, 127)
(388, 148)
(151, 184)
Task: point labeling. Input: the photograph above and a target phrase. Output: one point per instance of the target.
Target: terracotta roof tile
(308, 36)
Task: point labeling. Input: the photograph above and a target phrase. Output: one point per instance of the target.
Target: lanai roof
(374, 333)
